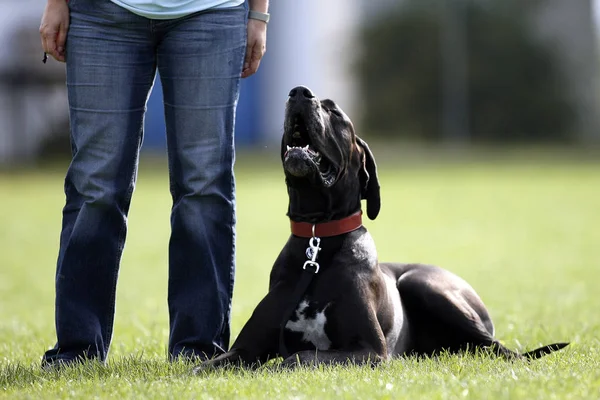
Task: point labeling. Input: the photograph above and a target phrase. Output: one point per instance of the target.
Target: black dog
(329, 299)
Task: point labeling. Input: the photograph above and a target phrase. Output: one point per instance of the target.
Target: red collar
(325, 229)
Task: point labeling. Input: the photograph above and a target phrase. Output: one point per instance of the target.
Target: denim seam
(231, 276)
(232, 221)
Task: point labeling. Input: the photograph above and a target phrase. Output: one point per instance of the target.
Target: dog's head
(328, 168)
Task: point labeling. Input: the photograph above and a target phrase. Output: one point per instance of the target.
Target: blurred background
(462, 72)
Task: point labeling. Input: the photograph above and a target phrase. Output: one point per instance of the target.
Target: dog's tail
(504, 351)
(544, 350)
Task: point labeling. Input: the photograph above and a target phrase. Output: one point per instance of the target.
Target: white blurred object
(570, 28)
(311, 43)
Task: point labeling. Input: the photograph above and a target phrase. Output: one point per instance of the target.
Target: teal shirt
(170, 9)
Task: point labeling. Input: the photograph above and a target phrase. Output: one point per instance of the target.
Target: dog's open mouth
(302, 157)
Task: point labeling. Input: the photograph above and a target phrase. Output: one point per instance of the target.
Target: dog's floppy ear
(368, 180)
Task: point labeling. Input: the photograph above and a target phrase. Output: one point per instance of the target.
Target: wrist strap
(259, 16)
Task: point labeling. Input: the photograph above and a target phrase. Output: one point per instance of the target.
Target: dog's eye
(335, 112)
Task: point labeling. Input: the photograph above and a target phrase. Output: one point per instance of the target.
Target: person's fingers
(51, 47)
(247, 57)
(255, 48)
(44, 46)
(247, 62)
(60, 56)
(254, 63)
(61, 39)
(43, 40)
(53, 29)
(256, 54)
(49, 36)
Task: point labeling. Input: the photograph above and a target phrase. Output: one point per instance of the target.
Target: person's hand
(53, 28)
(256, 47)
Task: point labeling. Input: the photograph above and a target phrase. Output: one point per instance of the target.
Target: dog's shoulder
(360, 247)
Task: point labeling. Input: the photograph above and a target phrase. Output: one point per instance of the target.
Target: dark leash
(310, 269)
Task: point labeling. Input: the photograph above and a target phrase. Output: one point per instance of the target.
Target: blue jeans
(112, 59)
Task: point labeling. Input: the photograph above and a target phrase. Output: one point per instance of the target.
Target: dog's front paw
(207, 366)
(227, 360)
(304, 358)
(289, 363)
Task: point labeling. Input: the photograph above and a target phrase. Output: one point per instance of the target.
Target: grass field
(524, 231)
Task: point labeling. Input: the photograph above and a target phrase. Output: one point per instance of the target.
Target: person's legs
(200, 62)
(110, 70)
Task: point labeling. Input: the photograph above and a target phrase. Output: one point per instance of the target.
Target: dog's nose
(300, 93)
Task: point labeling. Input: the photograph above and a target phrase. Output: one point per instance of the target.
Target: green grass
(523, 230)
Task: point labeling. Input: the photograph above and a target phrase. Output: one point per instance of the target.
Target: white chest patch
(311, 325)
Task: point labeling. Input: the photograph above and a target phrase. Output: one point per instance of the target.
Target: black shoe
(59, 363)
(189, 357)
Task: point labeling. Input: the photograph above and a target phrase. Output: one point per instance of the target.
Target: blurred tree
(514, 89)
